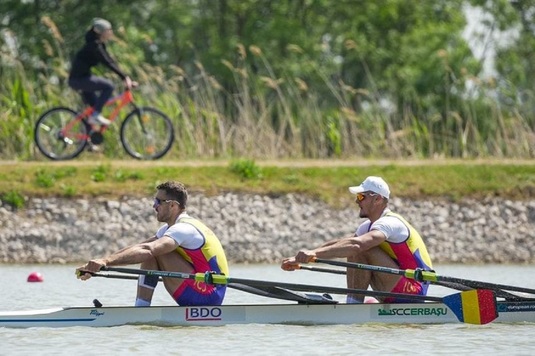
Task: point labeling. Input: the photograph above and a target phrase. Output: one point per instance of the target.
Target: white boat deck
(299, 314)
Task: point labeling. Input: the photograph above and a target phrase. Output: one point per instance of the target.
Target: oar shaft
(117, 276)
(114, 276)
(485, 285)
(458, 286)
(499, 292)
(324, 270)
(360, 266)
(164, 274)
(427, 276)
(333, 290)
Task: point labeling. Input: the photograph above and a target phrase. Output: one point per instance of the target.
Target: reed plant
(261, 114)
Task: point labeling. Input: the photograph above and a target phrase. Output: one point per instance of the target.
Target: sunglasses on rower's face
(362, 196)
(158, 202)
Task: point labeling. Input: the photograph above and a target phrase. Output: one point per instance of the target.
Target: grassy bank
(326, 180)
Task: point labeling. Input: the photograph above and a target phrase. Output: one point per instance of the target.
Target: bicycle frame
(120, 101)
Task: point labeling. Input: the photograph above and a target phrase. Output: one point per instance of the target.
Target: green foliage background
(289, 78)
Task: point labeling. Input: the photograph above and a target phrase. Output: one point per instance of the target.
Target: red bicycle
(62, 133)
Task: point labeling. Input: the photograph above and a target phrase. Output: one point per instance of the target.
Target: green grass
(325, 180)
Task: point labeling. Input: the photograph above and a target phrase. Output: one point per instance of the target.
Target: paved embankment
(256, 228)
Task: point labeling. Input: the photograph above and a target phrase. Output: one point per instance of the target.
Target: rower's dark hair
(175, 191)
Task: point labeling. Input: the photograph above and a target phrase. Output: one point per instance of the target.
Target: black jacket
(91, 54)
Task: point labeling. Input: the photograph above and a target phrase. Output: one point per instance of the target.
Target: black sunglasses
(158, 201)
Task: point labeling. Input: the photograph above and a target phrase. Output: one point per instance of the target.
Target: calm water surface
(61, 288)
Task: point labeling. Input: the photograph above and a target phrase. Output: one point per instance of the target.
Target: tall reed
(263, 114)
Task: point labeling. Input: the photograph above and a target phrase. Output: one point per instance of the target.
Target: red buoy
(35, 277)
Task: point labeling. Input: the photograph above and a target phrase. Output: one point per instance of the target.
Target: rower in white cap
(384, 239)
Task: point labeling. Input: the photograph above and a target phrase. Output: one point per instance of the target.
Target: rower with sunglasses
(384, 239)
(181, 244)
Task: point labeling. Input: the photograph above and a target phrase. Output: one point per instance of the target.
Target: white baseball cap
(372, 184)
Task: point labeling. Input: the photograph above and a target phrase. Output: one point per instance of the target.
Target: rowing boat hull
(300, 314)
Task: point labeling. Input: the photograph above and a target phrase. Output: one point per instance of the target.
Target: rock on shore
(262, 229)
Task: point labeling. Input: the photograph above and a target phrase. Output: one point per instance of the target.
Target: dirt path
(277, 163)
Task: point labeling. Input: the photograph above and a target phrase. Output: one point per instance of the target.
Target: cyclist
(92, 53)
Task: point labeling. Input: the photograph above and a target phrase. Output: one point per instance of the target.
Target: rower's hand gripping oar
(461, 304)
(477, 306)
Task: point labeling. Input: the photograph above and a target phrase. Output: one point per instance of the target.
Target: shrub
(246, 169)
(13, 198)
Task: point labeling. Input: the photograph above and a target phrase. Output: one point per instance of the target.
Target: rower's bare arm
(351, 246)
(332, 242)
(306, 256)
(137, 253)
(153, 238)
(141, 252)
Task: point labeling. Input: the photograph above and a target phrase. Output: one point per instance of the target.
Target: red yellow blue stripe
(476, 306)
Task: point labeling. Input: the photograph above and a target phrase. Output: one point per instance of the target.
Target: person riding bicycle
(91, 54)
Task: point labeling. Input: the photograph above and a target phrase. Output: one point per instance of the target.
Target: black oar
(429, 276)
(499, 293)
(115, 276)
(474, 306)
(222, 279)
(324, 270)
(268, 292)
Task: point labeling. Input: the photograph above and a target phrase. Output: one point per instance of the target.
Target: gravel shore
(262, 229)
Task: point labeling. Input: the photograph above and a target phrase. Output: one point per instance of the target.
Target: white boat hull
(301, 314)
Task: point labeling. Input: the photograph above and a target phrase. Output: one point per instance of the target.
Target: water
(61, 288)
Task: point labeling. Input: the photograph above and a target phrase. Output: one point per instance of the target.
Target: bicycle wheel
(58, 135)
(147, 133)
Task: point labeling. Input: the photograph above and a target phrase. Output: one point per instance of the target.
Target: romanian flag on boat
(476, 306)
